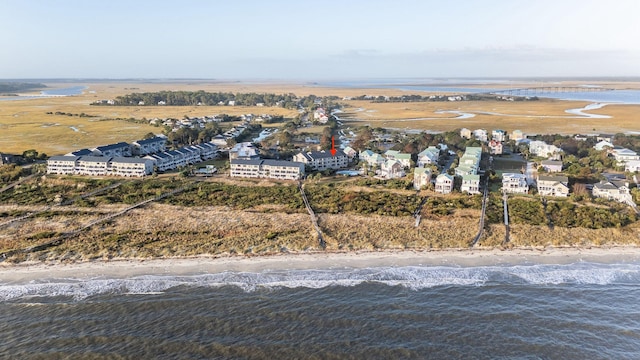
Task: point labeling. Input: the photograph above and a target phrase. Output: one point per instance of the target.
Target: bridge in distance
(532, 91)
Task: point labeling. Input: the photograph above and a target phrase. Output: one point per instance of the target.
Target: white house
(517, 135)
(421, 177)
(372, 159)
(481, 134)
(470, 184)
(392, 169)
(322, 160)
(495, 147)
(602, 145)
(350, 152)
(542, 149)
(404, 158)
(465, 133)
(613, 190)
(632, 166)
(428, 156)
(444, 183)
(551, 165)
(553, 186)
(499, 135)
(244, 150)
(469, 163)
(622, 155)
(514, 183)
(219, 140)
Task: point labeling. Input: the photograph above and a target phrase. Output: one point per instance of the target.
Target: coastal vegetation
(229, 216)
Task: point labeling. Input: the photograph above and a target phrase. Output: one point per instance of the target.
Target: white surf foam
(413, 277)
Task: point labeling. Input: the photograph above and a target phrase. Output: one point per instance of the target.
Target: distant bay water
(458, 87)
(68, 91)
(571, 311)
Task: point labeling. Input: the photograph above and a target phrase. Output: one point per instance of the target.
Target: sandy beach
(303, 261)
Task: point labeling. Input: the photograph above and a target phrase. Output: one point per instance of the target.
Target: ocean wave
(412, 277)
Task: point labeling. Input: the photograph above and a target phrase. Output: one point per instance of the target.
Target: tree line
(194, 98)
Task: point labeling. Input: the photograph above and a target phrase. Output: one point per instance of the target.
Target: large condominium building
(99, 166)
(119, 149)
(271, 169)
(322, 160)
(149, 146)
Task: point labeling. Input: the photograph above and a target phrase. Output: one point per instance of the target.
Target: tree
(30, 155)
(149, 135)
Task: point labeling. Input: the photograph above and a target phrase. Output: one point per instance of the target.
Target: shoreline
(199, 265)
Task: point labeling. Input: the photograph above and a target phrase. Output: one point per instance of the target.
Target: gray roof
(129, 160)
(112, 146)
(163, 155)
(150, 140)
(322, 154)
(174, 153)
(561, 179)
(82, 152)
(99, 159)
(246, 162)
(64, 158)
(283, 163)
(551, 162)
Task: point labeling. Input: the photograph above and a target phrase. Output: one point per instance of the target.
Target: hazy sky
(316, 40)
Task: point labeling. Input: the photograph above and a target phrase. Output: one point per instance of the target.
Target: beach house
(481, 135)
(404, 158)
(245, 151)
(495, 147)
(499, 135)
(421, 177)
(551, 165)
(603, 145)
(623, 155)
(513, 183)
(632, 166)
(470, 184)
(613, 190)
(465, 133)
(392, 169)
(553, 186)
(542, 149)
(428, 156)
(444, 183)
(517, 135)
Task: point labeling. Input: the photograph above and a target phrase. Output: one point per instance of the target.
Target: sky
(318, 40)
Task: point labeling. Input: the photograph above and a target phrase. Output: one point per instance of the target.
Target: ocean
(572, 311)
